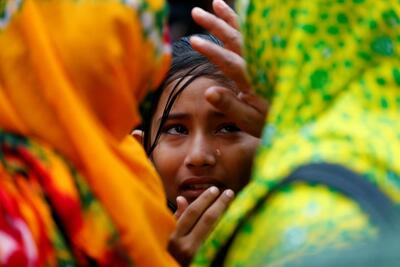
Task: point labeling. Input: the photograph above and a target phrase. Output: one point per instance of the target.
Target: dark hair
(186, 62)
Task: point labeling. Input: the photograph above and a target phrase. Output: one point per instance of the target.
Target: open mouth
(194, 187)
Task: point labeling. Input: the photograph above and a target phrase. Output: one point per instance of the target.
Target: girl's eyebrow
(218, 114)
(181, 116)
(174, 116)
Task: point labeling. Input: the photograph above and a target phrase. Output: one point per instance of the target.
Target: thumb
(246, 116)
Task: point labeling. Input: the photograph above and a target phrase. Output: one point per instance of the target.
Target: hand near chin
(195, 222)
(246, 108)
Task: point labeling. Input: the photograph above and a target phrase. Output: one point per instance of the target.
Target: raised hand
(245, 108)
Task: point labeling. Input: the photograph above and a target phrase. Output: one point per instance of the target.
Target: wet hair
(187, 66)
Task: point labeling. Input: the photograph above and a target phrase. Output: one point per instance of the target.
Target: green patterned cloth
(331, 71)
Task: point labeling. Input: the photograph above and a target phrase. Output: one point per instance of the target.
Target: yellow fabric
(71, 75)
(331, 72)
(301, 219)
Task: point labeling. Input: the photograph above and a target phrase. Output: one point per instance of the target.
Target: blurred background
(181, 22)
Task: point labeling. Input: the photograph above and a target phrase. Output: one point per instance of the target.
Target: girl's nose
(201, 153)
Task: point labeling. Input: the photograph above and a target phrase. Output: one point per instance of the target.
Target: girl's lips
(192, 188)
(196, 183)
(197, 186)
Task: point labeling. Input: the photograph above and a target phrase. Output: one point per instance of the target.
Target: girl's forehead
(191, 98)
(191, 88)
(216, 79)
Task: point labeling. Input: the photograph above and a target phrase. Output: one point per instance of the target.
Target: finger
(226, 13)
(231, 64)
(247, 117)
(182, 205)
(227, 34)
(193, 213)
(255, 101)
(210, 217)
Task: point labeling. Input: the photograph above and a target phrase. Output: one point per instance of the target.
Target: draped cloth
(74, 188)
(331, 72)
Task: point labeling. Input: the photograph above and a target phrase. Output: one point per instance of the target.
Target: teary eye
(175, 129)
(229, 128)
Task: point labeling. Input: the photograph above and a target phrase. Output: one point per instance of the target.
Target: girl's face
(199, 146)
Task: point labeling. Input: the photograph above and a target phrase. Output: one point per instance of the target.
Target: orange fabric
(72, 74)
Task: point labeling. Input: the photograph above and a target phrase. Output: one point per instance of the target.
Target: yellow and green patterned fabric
(331, 71)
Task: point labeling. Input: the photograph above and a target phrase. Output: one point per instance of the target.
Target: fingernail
(213, 96)
(198, 10)
(197, 39)
(214, 190)
(220, 3)
(229, 193)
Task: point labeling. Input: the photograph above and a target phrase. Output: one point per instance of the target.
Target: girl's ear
(138, 135)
